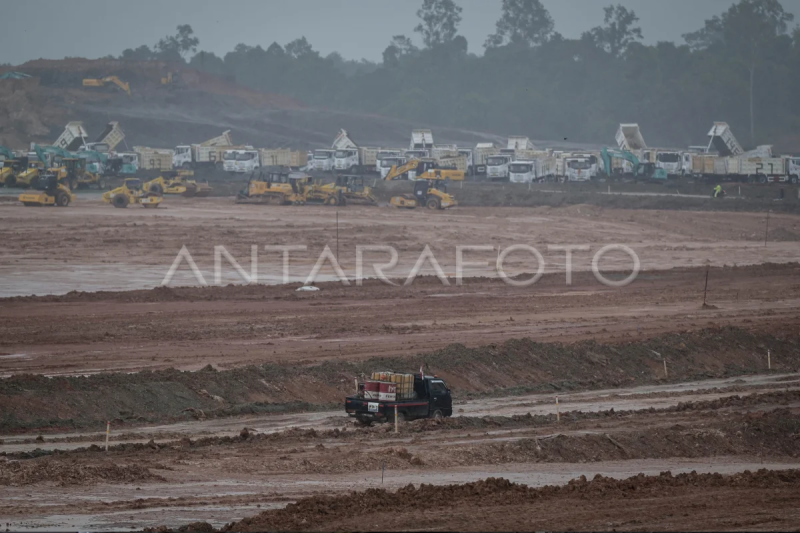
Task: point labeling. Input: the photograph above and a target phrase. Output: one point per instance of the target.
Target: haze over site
(354, 28)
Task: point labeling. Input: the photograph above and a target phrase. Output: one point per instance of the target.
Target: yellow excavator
(102, 82)
(132, 192)
(419, 169)
(274, 187)
(178, 182)
(430, 185)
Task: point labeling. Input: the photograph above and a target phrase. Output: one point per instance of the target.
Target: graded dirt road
(221, 474)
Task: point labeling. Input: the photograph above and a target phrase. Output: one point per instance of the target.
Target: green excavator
(641, 171)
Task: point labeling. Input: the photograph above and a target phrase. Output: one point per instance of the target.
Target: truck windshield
(343, 153)
(181, 149)
(496, 161)
(517, 168)
(582, 164)
(668, 157)
(389, 162)
(384, 155)
(246, 156)
(229, 156)
(322, 155)
(416, 154)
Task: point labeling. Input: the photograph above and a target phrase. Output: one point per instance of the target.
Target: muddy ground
(225, 400)
(230, 474)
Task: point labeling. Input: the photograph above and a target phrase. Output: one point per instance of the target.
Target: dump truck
(73, 137)
(154, 158)
(206, 154)
(722, 139)
(111, 136)
(349, 157)
(481, 153)
(410, 396)
(629, 138)
(322, 160)
(385, 154)
(497, 166)
(421, 139)
(581, 167)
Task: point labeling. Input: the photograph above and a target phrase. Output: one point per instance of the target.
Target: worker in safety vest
(718, 191)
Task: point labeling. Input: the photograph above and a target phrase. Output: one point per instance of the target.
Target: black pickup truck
(432, 400)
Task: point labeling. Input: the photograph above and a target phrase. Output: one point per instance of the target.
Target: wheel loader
(77, 176)
(48, 190)
(132, 192)
(430, 185)
(428, 193)
(278, 187)
(177, 182)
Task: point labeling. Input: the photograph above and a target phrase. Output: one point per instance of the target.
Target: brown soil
(62, 474)
(495, 504)
(32, 402)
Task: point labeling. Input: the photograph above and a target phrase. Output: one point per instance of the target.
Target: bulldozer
(315, 193)
(48, 190)
(178, 182)
(132, 192)
(102, 82)
(278, 187)
(353, 189)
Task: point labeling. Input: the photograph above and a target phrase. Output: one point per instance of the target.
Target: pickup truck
(432, 400)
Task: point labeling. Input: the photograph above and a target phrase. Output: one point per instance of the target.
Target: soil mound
(61, 474)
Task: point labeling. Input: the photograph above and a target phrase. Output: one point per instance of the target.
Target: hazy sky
(54, 29)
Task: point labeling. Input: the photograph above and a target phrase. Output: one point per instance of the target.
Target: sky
(54, 29)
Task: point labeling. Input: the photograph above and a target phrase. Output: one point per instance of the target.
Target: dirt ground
(225, 400)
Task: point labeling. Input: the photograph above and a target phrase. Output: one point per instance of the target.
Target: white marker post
(666, 375)
(396, 421)
(769, 361)
(558, 411)
(108, 432)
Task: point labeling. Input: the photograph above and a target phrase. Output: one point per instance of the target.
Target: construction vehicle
(322, 160)
(403, 395)
(387, 163)
(274, 186)
(353, 189)
(430, 185)
(497, 166)
(350, 157)
(178, 182)
(629, 138)
(102, 82)
(73, 136)
(423, 169)
(48, 190)
(315, 193)
(132, 192)
(640, 171)
(242, 161)
(77, 176)
(208, 153)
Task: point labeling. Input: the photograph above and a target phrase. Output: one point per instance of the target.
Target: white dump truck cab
(467, 153)
(672, 162)
(497, 166)
(387, 163)
(346, 159)
(182, 156)
(240, 160)
(323, 160)
(581, 168)
(101, 147)
(522, 171)
(383, 154)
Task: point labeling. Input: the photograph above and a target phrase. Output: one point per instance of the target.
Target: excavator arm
(396, 172)
(5, 152)
(607, 155)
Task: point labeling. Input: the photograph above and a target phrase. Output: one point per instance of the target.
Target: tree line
(740, 67)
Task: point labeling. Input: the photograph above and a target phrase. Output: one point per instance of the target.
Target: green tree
(300, 48)
(400, 47)
(618, 31)
(175, 47)
(747, 31)
(523, 22)
(440, 20)
(142, 53)
(208, 62)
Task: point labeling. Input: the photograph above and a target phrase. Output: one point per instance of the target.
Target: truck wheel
(333, 201)
(120, 201)
(156, 188)
(437, 414)
(793, 180)
(11, 181)
(62, 199)
(762, 178)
